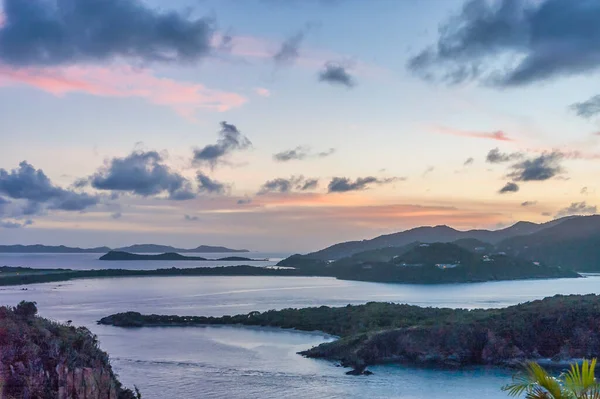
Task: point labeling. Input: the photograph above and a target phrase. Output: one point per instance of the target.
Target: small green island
(170, 256)
(554, 330)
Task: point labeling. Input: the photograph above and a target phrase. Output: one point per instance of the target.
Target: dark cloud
(282, 185)
(244, 201)
(309, 184)
(344, 184)
(469, 161)
(336, 74)
(208, 185)
(546, 214)
(54, 32)
(529, 203)
(584, 191)
(116, 215)
(514, 42)
(495, 156)
(509, 188)
(290, 49)
(588, 108)
(577, 208)
(33, 186)
(191, 218)
(5, 224)
(543, 167)
(300, 153)
(230, 139)
(142, 173)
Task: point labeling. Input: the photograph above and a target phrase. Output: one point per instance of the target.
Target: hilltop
(568, 243)
(43, 359)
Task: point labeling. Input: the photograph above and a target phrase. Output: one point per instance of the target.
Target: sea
(252, 362)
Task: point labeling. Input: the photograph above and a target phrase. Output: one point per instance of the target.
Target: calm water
(91, 261)
(237, 362)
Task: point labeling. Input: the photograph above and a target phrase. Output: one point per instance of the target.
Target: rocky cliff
(43, 359)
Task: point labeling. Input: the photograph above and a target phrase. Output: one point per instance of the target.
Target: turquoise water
(238, 362)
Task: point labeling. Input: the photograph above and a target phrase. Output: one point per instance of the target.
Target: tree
(536, 383)
(26, 309)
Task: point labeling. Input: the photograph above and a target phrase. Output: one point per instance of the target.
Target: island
(137, 248)
(42, 358)
(437, 263)
(121, 255)
(556, 330)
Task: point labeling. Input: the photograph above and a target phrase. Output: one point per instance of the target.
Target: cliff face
(43, 359)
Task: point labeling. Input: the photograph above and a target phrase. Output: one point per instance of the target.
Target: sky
(290, 125)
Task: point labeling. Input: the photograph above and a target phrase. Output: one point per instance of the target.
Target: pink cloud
(185, 98)
(262, 92)
(496, 135)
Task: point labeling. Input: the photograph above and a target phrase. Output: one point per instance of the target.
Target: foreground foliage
(536, 383)
(43, 359)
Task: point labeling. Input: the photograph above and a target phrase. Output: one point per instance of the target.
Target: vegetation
(43, 359)
(558, 328)
(397, 268)
(536, 383)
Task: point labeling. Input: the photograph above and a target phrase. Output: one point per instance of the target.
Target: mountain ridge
(430, 234)
(139, 248)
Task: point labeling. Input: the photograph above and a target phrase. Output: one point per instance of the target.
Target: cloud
(498, 135)
(31, 185)
(185, 98)
(577, 208)
(190, 218)
(495, 156)
(5, 224)
(261, 91)
(230, 139)
(469, 161)
(336, 74)
(300, 153)
(62, 32)
(116, 215)
(290, 49)
(208, 185)
(529, 203)
(142, 173)
(546, 214)
(283, 185)
(584, 190)
(588, 108)
(509, 188)
(544, 167)
(344, 184)
(244, 201)
(514, 43)
(309, 184)
(428, 170)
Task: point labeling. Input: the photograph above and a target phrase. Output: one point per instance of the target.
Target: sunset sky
(290, 125)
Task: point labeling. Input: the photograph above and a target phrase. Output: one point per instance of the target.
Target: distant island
(571, 243)
(137, 248)
(559, 329)
(437, 263)
(171, 256)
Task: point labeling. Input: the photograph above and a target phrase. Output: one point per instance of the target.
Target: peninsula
(559, 328)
